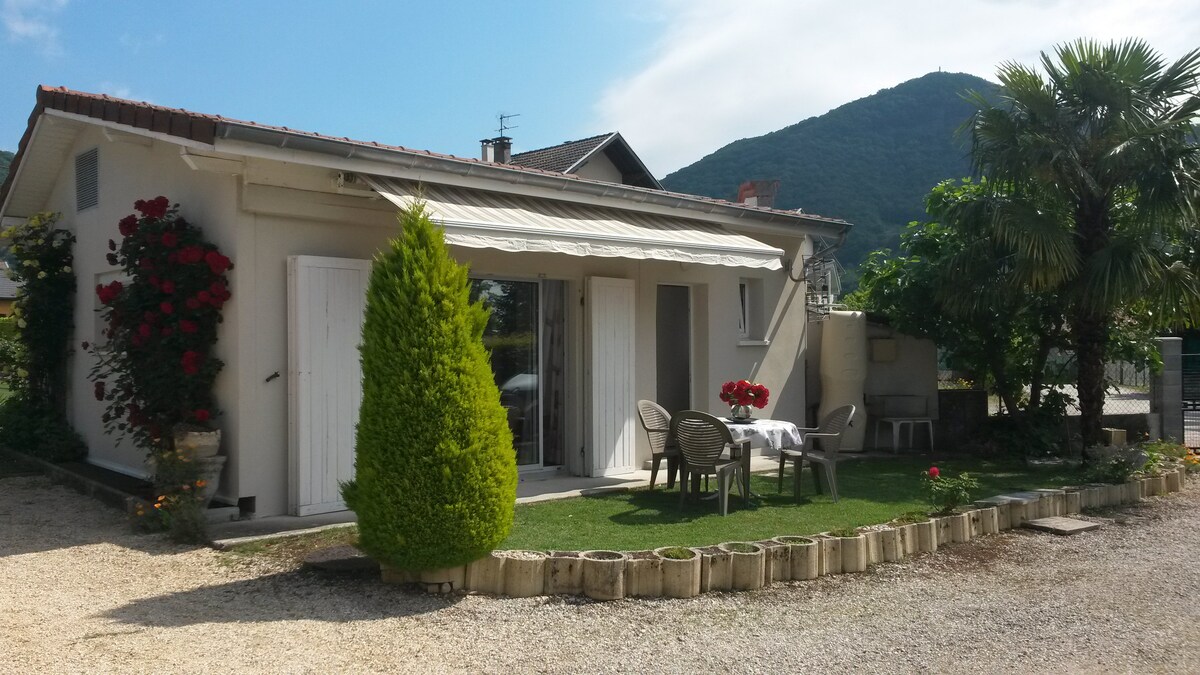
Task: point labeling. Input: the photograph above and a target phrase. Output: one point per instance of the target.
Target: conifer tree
(436, 471)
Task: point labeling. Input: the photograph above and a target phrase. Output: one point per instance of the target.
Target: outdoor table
(760, 433)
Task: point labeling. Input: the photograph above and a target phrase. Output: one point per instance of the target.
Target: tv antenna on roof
(503, 119)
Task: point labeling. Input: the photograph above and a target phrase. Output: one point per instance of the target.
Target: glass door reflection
(512, 337)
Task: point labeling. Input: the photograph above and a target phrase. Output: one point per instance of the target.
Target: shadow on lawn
(286, 596)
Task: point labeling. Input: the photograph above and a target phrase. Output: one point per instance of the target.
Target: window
(87, 179)
(751, 315)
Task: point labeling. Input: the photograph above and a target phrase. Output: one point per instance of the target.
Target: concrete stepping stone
(1061, 526)
(340, 559)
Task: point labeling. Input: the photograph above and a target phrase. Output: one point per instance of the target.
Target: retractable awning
(515, 223)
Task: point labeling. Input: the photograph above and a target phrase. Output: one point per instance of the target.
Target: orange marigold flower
(158, 506)
(201, 483)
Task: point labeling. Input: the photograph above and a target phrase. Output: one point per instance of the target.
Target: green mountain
(5, 160)
(870, 162)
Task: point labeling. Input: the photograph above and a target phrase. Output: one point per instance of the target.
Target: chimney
(758, 193)
(498, 149)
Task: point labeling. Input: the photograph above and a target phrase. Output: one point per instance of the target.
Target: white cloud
(723, 71)
(32, 21)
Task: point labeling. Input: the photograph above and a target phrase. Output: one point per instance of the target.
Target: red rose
(144, 330)
(190, 362)
(167, 287)
(933, 472)
(128, 226)
(170, 239)
(201, 415)
(188, 326)
(110, 292)
(204, 296)
(216, 262)
(728, 388)
(166, 307)
(192, 303)
(190, 255)
(155, 208)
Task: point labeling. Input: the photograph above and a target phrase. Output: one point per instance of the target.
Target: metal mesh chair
(702, 440)
(657, 423)
(829, 431)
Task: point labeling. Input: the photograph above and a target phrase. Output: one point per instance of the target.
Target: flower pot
(524, 573)
(208, 469)
(680, 576)
(777, 561)
(564, 573)
(604, 574)
(443, 580)
(740, 412)
(746, 571)
(643, 575)
(486, 575)
(198, 444)
(804, 555)
(715, 569)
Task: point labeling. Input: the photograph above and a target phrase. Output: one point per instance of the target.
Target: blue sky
(680, 78)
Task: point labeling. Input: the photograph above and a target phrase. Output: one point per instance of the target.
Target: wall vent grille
(87, 179)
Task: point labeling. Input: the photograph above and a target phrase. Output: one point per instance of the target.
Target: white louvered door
(611, 345)
(326, 298)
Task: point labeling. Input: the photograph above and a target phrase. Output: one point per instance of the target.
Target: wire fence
(1127, 386)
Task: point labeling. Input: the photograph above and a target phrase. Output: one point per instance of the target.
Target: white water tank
(844, 372)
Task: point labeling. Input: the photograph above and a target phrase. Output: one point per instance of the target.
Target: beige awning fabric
(515, 223)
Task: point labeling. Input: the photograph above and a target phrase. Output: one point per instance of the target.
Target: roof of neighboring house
(211, 129)
(569, 156)
(8, 287)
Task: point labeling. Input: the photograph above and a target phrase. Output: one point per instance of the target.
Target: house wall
(261, 212)
(600, 167)
(133, 168)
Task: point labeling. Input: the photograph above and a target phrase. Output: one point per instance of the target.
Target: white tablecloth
(764, 433)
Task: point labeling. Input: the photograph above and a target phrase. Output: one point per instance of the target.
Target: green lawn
(872, 491)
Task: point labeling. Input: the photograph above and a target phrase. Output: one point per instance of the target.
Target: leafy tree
(1099, 145)
(5, 160)
(435, 467)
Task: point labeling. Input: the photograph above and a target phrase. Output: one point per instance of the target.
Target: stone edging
(744, 566)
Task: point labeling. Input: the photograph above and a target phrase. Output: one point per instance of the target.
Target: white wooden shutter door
(611, 341)
(326, 298)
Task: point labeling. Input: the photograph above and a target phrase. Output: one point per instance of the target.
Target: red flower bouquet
(743, 394)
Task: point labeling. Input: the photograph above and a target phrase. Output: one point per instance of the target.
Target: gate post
(1166, 391)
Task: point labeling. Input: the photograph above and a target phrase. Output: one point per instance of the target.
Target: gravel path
(78, 592)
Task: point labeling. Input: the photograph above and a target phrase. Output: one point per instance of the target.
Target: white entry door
(611, 345)
(326, 298)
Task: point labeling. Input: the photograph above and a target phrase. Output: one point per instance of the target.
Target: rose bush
(945, 493)
(156, 371)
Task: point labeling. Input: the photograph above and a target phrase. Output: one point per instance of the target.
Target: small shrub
(844, 532)
(33, 427)
(1116, 465)
(436, 474)
(945, 493)
(678, 553)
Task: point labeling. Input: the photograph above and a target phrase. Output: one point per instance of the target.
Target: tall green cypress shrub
(436, 474)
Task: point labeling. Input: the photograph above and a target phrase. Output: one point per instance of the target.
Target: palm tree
(1105, 140)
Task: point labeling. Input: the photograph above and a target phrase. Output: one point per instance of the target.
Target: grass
(872, 491)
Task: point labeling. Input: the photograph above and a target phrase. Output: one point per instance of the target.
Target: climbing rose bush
(156, 370)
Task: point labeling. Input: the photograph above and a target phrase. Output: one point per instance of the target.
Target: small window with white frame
(750, 310)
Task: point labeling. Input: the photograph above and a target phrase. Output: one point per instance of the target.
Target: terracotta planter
(486, 575)
(564, 573)
(746, 565)
(524, 573)
(804, 555)
(680, 577)
(604, 574)
(643, 575)
(715, 569)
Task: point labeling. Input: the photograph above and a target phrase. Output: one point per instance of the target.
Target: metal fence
(1127, 387)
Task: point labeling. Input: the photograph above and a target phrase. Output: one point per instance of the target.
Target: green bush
(435, 467)
(33, 427)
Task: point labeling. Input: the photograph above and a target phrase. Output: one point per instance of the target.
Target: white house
(605, 292)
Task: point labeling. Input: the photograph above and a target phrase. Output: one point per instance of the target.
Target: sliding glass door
(526, 338)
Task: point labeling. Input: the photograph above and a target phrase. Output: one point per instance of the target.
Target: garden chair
(657, 423)
(702, 440)
(829, 431)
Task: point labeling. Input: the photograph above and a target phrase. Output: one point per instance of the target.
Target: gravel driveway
(78, 592)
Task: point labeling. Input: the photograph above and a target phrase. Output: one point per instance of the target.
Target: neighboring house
(8, 290)
(602, 293)
(606, 157)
